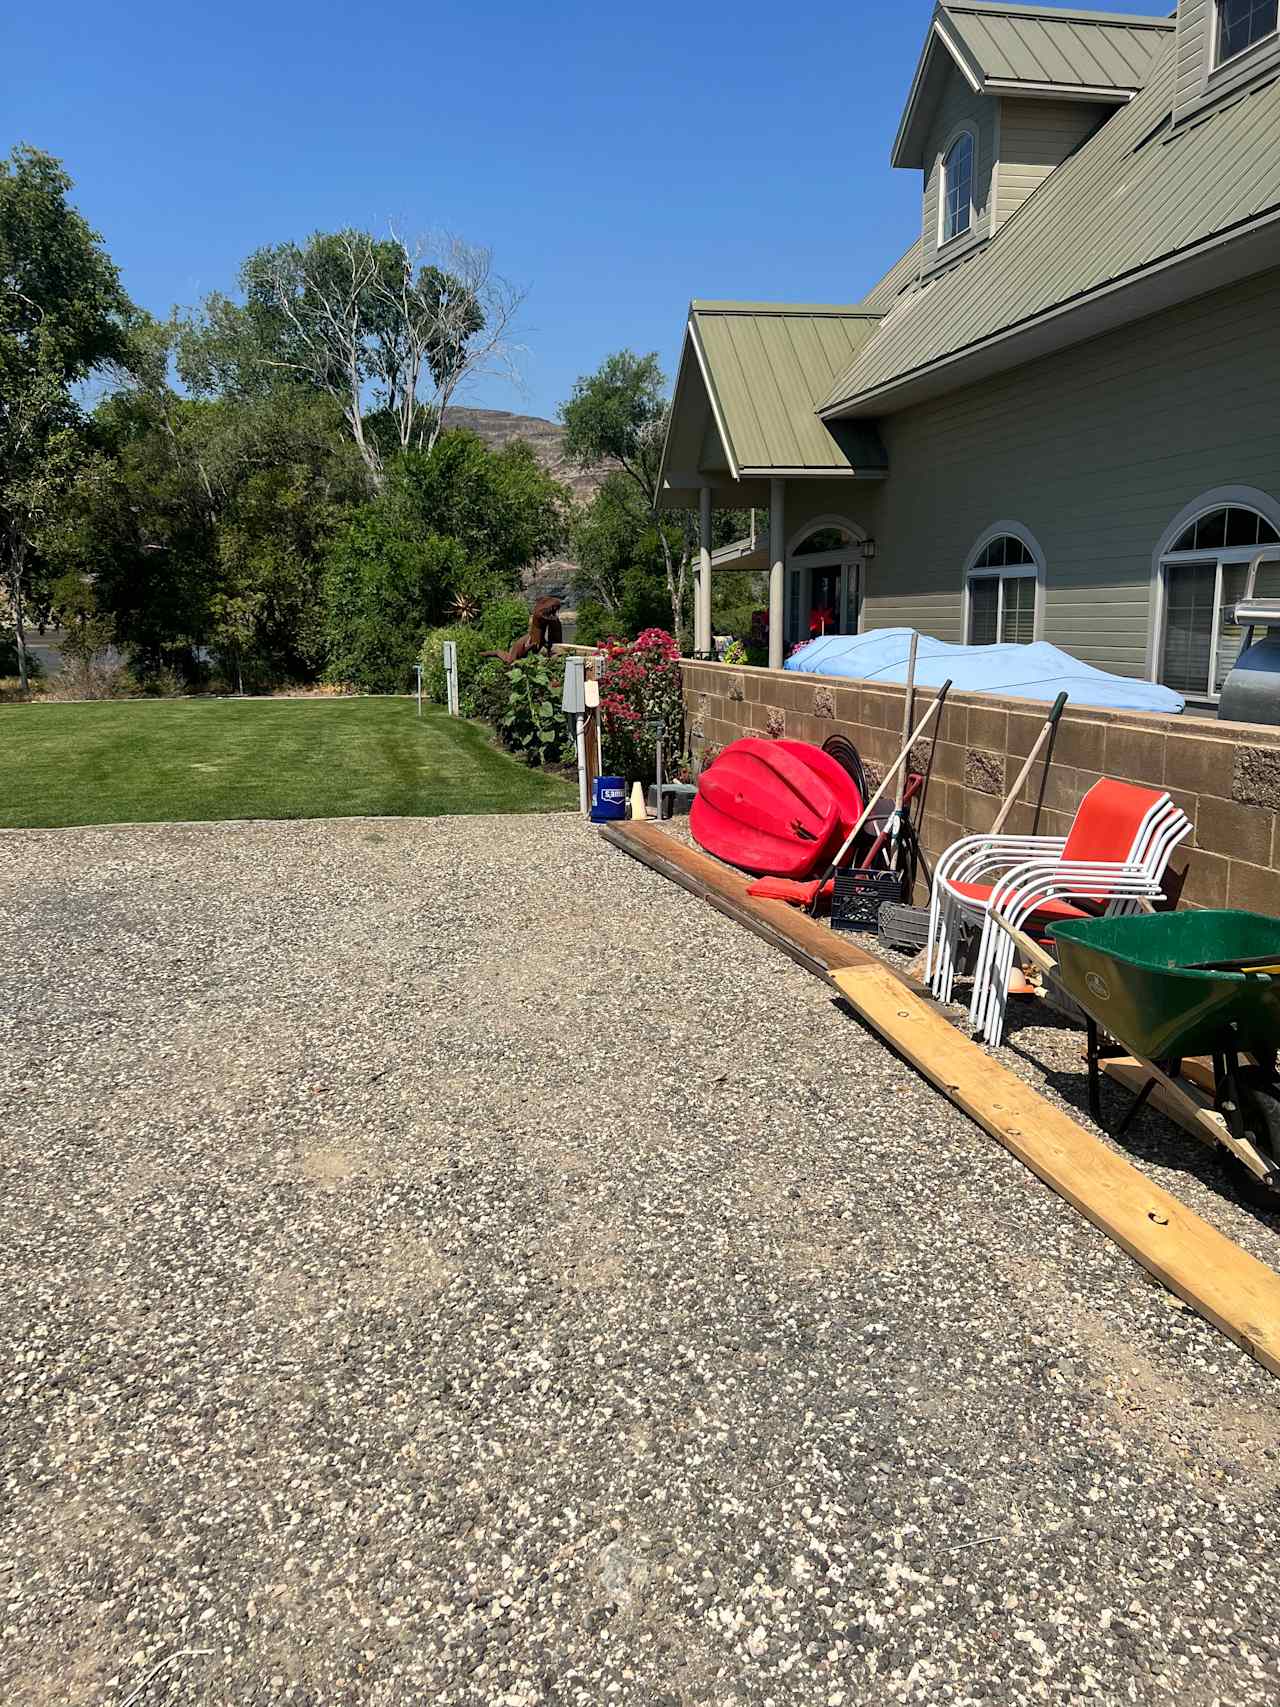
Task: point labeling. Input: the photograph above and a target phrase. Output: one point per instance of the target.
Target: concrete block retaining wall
(1225, 776)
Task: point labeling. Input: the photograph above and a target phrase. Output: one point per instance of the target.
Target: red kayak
(763, 809)
(849, 801)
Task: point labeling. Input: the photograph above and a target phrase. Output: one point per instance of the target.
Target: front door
(823, 597)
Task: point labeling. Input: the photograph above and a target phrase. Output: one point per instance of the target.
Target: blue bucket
(608, 800)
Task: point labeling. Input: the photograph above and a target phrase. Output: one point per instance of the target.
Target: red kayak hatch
(765, 810)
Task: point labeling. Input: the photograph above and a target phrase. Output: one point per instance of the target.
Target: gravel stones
(441, 1261)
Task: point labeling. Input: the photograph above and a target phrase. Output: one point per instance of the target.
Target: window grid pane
(984, 611)
(1230, 638)
(1019, 625)
(1188, 640)
(958, 188)
(1243, 22)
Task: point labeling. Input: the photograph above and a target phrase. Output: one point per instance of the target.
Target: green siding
(1095, 451)
(1196, 20)
(1036, 136)
(1125, 201)
(959, 109)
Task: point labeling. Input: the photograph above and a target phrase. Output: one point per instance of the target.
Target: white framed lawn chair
(1113, 860)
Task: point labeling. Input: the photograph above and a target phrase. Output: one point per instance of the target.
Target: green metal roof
(1027, 51)
(1036, 45)
(900, 277)
(1140, 193)
(766, 368)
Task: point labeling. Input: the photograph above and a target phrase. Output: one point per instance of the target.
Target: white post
(580, 724)
(451, 676)
(777, 572)
(702, 594)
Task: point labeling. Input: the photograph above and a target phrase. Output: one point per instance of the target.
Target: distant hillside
(498, 427)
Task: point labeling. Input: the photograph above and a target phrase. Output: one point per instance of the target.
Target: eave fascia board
(717, 412)
(1220, 261)
(844, 473)
(663, 475)
(1013, 86)
(972, 74)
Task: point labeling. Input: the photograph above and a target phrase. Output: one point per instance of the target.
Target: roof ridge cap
(1066, 14)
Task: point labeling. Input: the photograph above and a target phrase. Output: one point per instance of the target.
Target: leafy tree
(502, 507)
(618, 415)
(387, 331)
(384, 588)
(203, 525)
(64, 316)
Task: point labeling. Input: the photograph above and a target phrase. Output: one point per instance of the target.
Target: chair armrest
(989, 853)
(1028, 886)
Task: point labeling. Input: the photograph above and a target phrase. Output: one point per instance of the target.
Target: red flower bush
(640, 686)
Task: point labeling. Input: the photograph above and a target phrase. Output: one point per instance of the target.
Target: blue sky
(617, 160)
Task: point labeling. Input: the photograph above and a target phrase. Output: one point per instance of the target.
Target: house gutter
(1224, 259)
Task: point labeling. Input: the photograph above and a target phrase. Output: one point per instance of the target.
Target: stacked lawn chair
(1113, 861)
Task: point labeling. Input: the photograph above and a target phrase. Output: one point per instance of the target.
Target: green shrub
(533, 724)
(9, 659)
(487, 696)
(503, 621)
(382, 592)
(596, 624)
(471, 646)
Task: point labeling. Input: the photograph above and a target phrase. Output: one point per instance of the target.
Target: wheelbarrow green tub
(1135, 977)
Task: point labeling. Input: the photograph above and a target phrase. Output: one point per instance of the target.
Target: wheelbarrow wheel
(1260, 1099)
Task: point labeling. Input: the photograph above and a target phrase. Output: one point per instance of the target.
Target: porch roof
(751, 376)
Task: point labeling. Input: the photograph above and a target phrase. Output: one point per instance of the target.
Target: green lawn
(153, 760)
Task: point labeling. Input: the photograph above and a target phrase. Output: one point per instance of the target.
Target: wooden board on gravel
(1227, 1286)
(813, 945)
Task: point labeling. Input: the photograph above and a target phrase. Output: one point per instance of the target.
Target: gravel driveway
(442, 1262)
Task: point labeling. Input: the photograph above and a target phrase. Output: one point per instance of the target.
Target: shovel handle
(1050, 724)
(890, 777)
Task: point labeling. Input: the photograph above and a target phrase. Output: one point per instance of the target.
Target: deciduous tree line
(263, 487)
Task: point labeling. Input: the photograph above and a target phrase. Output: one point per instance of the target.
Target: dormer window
(957, 188)
(1241, 23)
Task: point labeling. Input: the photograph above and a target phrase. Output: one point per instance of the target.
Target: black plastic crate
(859, 896)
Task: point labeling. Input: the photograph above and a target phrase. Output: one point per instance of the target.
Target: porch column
(777, 571)
(702, 590)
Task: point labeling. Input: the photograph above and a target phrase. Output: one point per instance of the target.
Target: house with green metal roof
(1058, 415)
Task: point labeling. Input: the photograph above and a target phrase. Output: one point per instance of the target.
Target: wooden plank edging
(1231, 1289)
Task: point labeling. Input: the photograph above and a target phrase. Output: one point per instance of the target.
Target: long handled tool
(1018, 985)
(806, 894)
(1046, 734)
(888, 838)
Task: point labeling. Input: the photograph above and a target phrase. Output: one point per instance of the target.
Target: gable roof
(766, 367)
(1178, 210)
(1029, 51)
(901, 276)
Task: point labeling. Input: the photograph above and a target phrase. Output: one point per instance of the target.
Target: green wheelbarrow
(1169, 988)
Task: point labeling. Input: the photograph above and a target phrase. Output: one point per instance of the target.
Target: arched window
(1202, 571)
(824, 581)
(1002, 588)
(957, 188)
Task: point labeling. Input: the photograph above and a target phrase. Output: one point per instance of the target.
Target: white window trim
(1017, 571)
(1241, 497)
(1215, 26)
(945, 242)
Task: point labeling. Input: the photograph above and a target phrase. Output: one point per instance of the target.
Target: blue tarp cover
(1038, 671)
